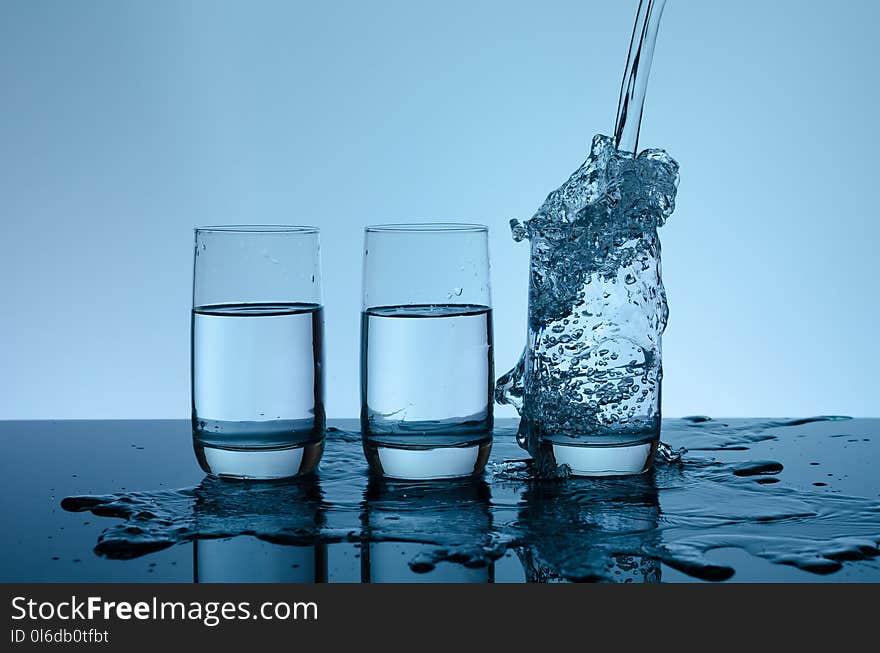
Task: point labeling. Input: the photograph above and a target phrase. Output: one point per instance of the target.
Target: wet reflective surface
(751, 500)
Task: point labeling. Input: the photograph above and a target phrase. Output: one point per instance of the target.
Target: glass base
(607, 460)
(427, 463)
(259, 464)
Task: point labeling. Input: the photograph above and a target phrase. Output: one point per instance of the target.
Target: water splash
(597, 306)
(666, 454)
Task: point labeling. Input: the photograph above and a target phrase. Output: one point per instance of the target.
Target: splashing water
(597, 307)
(591, 370)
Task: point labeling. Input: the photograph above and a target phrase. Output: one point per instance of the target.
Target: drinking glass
(426, 350)
(257, 351)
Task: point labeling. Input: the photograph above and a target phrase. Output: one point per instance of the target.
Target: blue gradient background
(125, 124)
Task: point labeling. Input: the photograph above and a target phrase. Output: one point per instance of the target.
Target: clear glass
(257, 351)
(426, 350)
(603, 417)
(588, 386)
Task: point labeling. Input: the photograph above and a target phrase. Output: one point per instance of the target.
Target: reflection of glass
(249, 560)
(257, 352)
(274, 531)
(591, 530)
(426, 350)
(426, 532)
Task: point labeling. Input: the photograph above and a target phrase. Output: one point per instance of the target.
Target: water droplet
(756, 467)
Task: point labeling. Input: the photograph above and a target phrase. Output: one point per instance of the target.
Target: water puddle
(567, 529)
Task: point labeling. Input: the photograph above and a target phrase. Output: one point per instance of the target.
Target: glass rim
(427, 227)
(257, 229)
